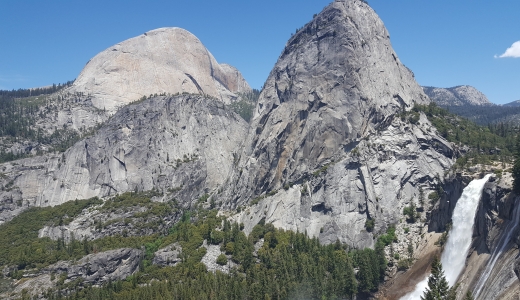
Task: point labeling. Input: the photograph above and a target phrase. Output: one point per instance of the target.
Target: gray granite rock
(457, 96)
(184, 146)
(101, 267)
(168, 256)
(93, 269)
(164, 60)
(331, 102)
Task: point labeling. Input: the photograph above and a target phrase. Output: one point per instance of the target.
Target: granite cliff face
(326, 150)
(457, 96)
(330, 145)
(186, 143)
(164, 60)
(496, 245)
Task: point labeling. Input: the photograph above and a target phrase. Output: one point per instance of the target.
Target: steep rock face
(496, 221)
(185, 143)
(457, 96)
(331, 102)
(337, 80)
(164, 60)
(376, 181)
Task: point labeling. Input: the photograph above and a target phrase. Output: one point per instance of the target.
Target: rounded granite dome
(164, 60)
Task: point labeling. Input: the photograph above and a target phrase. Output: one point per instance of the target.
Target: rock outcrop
(461, 95)
(93, 269)
(186, 143)
(101, 267)
(168, 256)
(326, 150)
(496, 231)
(164, 60)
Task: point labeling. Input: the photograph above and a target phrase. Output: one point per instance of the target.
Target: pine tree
(438, 287)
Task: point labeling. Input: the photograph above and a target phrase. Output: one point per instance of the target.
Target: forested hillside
(269, 263)
(28, 121)
(495, 141)
(488, 115)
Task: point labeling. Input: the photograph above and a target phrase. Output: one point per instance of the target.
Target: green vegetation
(369, 224)
(516, 168)
(288, 265)
(19, 112)
(130, 199)
(19, 242)
(469, 296)
(22, 93)
(411, 213)
(21, 247)
(438, 287)
(444, 237)
(495, 142)
(246, 105)
(222, 260)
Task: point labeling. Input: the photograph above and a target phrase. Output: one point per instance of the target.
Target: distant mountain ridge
(461, 95)
(470, 103)
(512, 104)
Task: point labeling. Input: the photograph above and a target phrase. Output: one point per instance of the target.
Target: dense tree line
(288, 265)
(484, 115)
(22, 93)
(17, 118)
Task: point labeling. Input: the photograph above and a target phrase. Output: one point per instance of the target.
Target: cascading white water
(459, 240)
(499, 249)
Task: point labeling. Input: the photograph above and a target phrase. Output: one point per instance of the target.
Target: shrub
(369, 224)
(230, 247)
(411, 213)
(434, 197)
(389, 237)
(222, 259)
(403, 265)
(217, 237)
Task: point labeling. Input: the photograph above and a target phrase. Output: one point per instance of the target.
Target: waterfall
(499, 249)
(459, 240)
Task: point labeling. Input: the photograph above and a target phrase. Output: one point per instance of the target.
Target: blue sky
(445, 43)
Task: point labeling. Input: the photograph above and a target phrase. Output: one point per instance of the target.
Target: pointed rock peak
(164, 60)
(337, 80)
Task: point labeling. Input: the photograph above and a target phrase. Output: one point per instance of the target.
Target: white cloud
(513, 51)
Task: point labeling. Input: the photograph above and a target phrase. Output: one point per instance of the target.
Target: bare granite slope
(326, 150)
(164, 60)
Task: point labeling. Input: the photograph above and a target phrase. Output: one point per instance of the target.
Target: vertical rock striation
(184, 143)
(326, 147)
